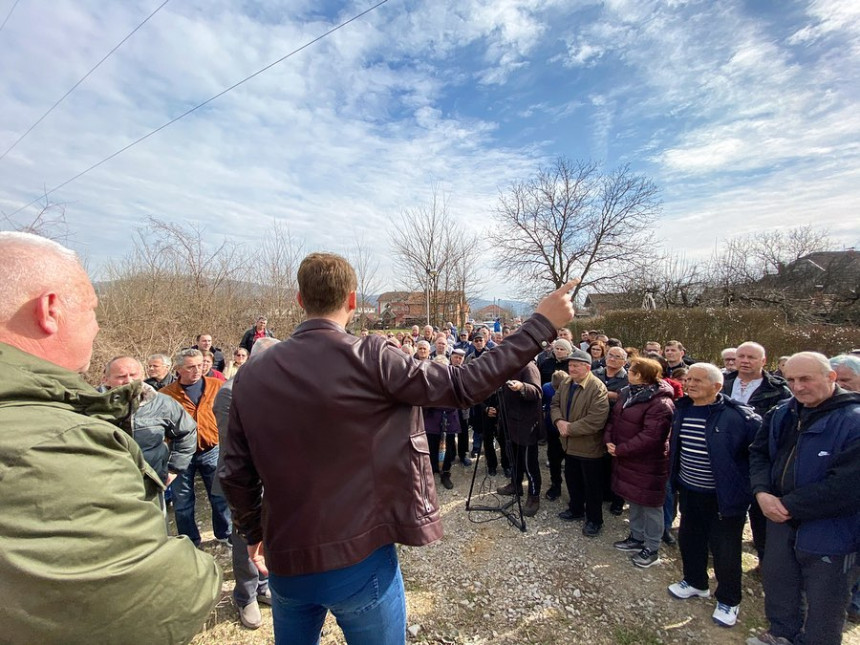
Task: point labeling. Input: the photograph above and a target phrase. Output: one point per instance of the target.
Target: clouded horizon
(745, 114)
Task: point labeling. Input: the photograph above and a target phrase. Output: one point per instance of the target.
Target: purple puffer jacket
(640, 432)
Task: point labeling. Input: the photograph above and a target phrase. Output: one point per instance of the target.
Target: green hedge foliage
(705, 332)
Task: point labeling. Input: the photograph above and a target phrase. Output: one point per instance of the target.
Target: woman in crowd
(636, 436)
(208, 361)
(437, 423)
(597, 351)
(240, 355)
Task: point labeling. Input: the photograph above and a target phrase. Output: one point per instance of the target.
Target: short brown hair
(675, 343)
(325, 280)
(648, 369)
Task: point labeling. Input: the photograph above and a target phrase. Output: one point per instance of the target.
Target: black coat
(522, 410)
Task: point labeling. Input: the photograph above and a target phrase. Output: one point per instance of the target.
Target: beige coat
(589, 411)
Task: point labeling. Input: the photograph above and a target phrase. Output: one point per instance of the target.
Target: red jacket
(640, 433)
(326, 423)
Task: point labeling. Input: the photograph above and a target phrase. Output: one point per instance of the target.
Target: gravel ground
(487, 582)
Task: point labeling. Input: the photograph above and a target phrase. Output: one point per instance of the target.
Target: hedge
(706, 332)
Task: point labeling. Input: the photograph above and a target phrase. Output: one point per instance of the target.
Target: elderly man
(847, 368)
(332, 517)
(729, 357)
(750, 384)
(614, 377)
(579, 411)
(250, 588)
(422, 350)
(163, 430)
(158, 371)
(805, 468)
(86, 557)
(440, 348)
(196, 394)
(711, 435)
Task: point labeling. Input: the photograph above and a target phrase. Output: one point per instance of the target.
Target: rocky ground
(486, 582)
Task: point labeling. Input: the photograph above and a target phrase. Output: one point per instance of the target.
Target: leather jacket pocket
(422, 476)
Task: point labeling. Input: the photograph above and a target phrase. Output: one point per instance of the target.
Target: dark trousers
(462, 440)
(491, 432)
(789, 574)
(525, 462)
(555, 456)
(249, 582)
(433, 442)
(758, 526)
(584, 478)
(703, 528)
(608, 494)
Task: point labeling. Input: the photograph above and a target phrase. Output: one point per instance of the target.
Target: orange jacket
(207, 428)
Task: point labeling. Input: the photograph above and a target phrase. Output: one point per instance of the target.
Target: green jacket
(84, 551)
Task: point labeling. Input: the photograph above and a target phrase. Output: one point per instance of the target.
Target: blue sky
(745, 114)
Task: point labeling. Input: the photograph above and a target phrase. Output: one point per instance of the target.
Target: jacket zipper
(788, 461)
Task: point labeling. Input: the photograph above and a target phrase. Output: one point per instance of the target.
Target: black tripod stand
(515, 517)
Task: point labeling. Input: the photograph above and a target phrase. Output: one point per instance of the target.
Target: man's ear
(351, 301)
(299, 300)
(48, 313)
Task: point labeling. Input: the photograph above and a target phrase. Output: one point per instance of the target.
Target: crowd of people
(291, 438)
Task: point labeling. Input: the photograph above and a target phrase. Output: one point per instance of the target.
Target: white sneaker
(726, 615)
(684, 590)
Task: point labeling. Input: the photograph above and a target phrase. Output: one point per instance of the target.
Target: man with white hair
(729, 356)
(805, 467)
(751, 384)
(847, 368)
(86, 557)
(711, 434)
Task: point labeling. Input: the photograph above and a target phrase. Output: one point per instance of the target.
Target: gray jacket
(160, 419)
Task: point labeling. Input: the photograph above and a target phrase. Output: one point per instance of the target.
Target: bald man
(805, 466)
(86, 556)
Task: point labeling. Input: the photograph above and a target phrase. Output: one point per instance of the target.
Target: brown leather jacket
(325, 423)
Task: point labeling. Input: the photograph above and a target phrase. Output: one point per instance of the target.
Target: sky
(744, 113)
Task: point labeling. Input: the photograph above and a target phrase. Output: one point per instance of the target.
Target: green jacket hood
(25, 378)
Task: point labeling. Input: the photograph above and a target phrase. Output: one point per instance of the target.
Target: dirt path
(487, 583)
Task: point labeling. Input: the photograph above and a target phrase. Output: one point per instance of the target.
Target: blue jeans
(183, 498)
(367, 599)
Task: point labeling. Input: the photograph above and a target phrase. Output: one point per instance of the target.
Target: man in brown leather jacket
(326, 423)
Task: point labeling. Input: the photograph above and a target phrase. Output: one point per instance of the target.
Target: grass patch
(636, 636)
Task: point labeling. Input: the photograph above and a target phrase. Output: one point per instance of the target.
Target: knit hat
(579, 355)
(563, 343)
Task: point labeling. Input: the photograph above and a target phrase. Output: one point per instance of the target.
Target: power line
(74, 87)
(9, 15)
(197, 107)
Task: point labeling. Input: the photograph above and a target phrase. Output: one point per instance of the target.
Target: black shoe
(616, 509)
(465, 461)
(668, 538)
(491, 472)
(446, 481)
(591, 529)
(474, 454)
(629, 544)
(570, 516)
(553, 493)
(508, 472)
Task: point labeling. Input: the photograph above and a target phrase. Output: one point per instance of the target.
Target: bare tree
(272, 280)
(49, 221)
(366, 268)
(436, 258)
(794, 270)
(571, 220)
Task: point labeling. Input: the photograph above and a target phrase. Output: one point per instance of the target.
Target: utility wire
(197, 107)
(9, 15)
(75, 86)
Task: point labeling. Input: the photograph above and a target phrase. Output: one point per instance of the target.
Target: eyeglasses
(479, 340)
